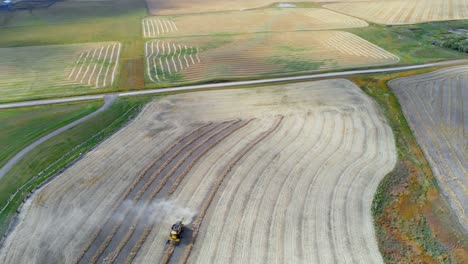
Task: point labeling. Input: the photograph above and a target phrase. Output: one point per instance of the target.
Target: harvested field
(261, 20)
(171, 7)
(395, 12)
(259, 55)
(281, 173)
(436, 109)
(56, 70)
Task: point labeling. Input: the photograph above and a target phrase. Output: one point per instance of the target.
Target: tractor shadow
(186, 236)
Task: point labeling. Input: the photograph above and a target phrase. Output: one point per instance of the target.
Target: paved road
(108, 102)
(231, 84)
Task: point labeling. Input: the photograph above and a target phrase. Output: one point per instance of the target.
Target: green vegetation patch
(21, 126)
(419, 43)
(70, 22)
(57, 153)
(296, 64)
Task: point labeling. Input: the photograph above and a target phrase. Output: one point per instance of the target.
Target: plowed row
(164, 59)
(97, 67)
(154, 27)
(393, 12)
(436, 107)
(257, 55)
(56, 70)
(279, 174)
(251, 21)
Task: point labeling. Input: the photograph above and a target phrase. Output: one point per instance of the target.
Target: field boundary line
(227, 85)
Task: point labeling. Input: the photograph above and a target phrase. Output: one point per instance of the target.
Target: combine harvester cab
(177, 230)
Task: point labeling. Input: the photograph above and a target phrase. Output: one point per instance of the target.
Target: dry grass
(394, 12)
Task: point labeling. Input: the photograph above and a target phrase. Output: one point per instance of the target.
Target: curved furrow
(235, 127)
(192, 192)
(285, 195)
(229, 211)
(289, 167)
(319, 189)
(244, 237)
(245, 186)
(219, 181)
(215, 230)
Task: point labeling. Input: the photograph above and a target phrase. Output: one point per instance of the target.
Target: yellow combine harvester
(177, 230)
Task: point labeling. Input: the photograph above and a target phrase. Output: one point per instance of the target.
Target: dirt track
(436, 107)
(287, 170)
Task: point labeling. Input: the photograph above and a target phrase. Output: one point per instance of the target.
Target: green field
(37, 72)
(22, 126)
(55, 154)
(417, 43)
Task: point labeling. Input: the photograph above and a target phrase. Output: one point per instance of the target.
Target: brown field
(267, 175)
(435, 105)
(394, 12)
(258, 55)
(260, 20)
(56, 70)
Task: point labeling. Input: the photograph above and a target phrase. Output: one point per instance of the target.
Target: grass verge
(54, 155)
(412, 219)
(22, 126)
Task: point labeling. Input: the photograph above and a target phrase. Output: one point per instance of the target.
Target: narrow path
(232, 84)
(108, 100)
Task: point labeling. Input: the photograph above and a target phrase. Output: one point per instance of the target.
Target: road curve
(230, 84)
(108, 102)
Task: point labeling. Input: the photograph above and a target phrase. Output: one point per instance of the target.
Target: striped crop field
(275, 174)
(165, 60)
(97, 67)
(395, 12)
(257, 55)
(157, 26)
(57, 70)
(249, 21)
(436, 107)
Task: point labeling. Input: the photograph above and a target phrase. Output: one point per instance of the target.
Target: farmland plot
(260, 55)
(171, 7)
(281, 173)
(394, 12)
(435, 105)
(251, 21)
(56, 70)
